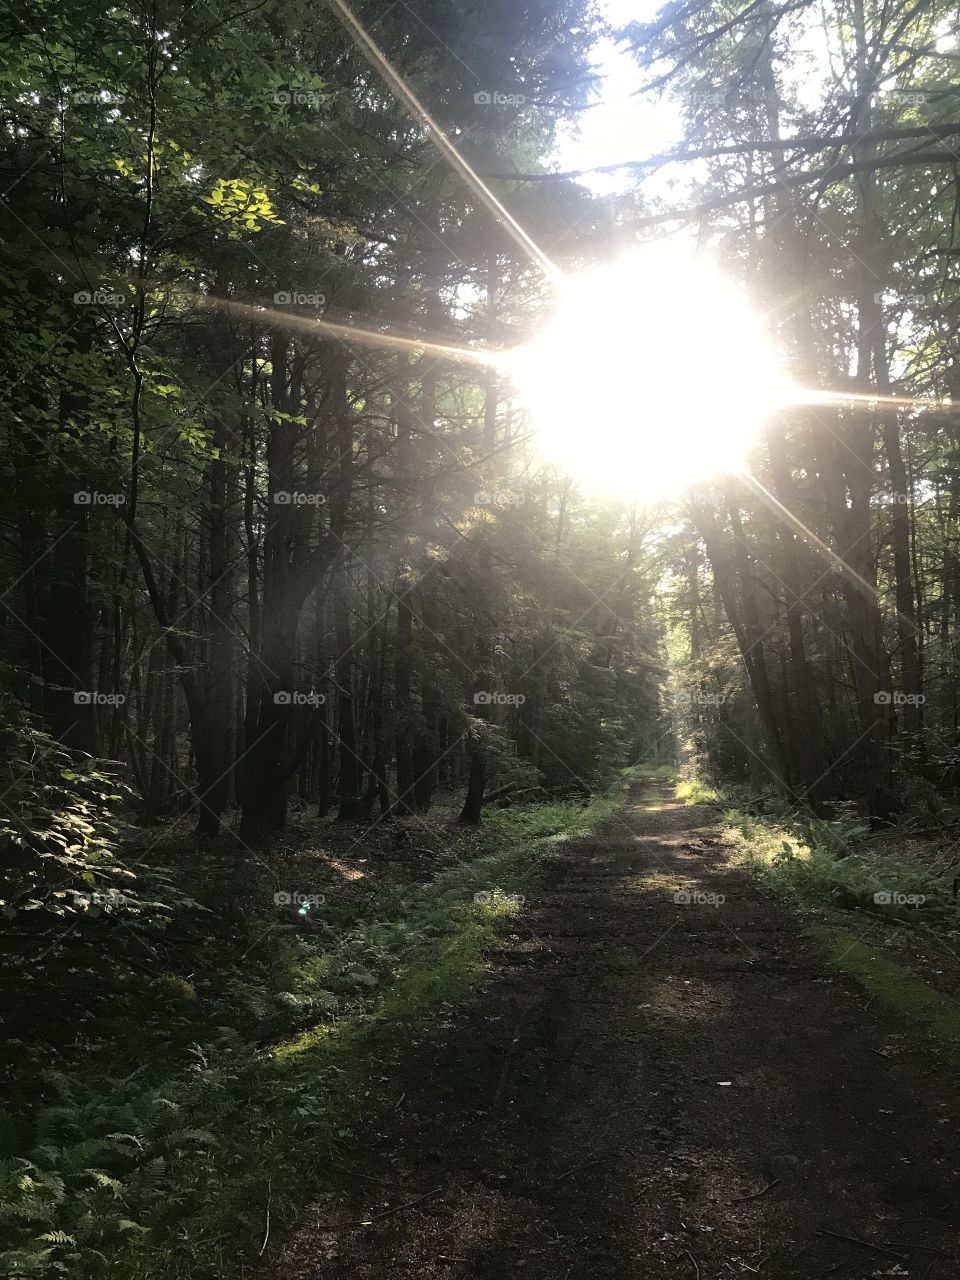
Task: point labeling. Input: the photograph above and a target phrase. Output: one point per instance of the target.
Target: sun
(651, 373)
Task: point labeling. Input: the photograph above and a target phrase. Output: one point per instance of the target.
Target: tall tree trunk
(350, 773)
(477, 778)
(297, 556)
(749, 643)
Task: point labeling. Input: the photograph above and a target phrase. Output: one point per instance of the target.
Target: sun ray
(378, 59)
(871, 400)
(836, 562)
(361, 336)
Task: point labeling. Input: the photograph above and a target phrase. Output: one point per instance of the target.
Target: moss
(896, 986)
(664, 998)
(660, 882)
(168, 989)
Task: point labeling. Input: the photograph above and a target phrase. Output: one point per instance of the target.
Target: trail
(649, 1088)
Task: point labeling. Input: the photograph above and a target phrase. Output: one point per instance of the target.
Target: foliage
(694, 791)
(112, 1172)
(58, 829)
(828, 865)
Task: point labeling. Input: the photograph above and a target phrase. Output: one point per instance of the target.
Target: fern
(99, 1171)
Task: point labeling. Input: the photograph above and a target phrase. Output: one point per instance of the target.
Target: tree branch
(810, 143)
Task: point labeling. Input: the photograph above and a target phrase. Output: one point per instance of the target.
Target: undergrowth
(820, 864)
(137, 1177)
(695, 791)
(831, 874)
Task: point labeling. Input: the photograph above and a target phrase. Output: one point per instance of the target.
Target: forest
(440, 561)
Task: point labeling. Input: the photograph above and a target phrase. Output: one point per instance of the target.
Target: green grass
(826, 872)
(889, 981)
(655, 772)
(559, 821)
(165, 1180)
(694, 791)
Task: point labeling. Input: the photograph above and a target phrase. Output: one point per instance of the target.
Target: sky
(621, 126)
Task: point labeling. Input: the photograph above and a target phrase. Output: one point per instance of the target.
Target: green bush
(58, 829)
(821, 863)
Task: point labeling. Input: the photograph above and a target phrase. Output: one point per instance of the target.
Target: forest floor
(645, 1087)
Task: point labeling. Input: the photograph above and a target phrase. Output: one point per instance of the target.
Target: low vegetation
(887, 916)
(112, 1174)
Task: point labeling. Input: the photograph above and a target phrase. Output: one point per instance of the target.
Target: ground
(644, 1087)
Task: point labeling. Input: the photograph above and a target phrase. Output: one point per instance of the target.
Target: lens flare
(651, 373)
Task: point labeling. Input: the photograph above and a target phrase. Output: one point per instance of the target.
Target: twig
(926, 1248)
(399, 1208)
(508, 1061)
(366, 1177)
(577, 1167)
(755, 1195)
(266, 1234)
(866, 1244)
(694, 1261)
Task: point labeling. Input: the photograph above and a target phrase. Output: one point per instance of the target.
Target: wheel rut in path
(644, 1087)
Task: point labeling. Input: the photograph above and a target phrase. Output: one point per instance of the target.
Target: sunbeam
(870, 400)
(359, 336)
(375, 55)
(837, 563)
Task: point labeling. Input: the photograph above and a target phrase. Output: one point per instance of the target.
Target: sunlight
(651, 373)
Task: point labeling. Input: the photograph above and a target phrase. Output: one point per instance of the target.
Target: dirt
(643, 1087)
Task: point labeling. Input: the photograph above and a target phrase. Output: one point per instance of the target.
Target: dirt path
(645, 1088)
